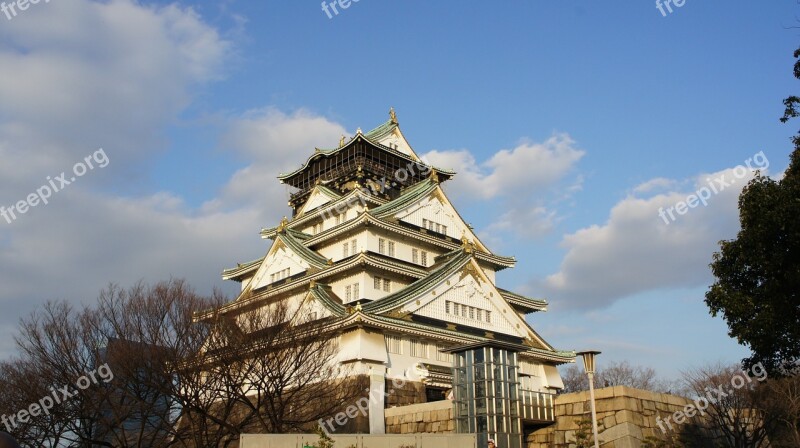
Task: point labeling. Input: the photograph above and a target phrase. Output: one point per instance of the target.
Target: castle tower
(375, 245)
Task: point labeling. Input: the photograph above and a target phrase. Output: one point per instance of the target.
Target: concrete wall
(361, 441)
(433, 418)
(625, 417)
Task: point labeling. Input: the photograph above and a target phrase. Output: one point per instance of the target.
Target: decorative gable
(468, 298)
(319, 196)
(281, 262)
(435, 213)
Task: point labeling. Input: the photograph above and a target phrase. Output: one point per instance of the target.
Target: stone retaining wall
(434, 418)
(625, 417)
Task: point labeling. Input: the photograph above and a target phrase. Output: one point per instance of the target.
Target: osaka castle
(375, 246)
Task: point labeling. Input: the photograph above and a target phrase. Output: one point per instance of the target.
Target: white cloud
(635, 251)
(80, 75)
(529, 180)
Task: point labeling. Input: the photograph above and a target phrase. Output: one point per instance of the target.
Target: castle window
(344, 250)
(415, 256)
(381, 246)
(424, 258)
(441, 356)
(489, 316)
(394, 344)
(387, 285)
(348, 293)
(447, 307)
(391, 248)
(377, 283)
(354, 246)
(356, 294)
(419, 349)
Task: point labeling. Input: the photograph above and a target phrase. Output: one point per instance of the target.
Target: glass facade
(486, 395)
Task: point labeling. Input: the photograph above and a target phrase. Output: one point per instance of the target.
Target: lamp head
(588, 360)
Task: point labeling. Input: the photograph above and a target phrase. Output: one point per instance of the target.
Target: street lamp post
(588, 365)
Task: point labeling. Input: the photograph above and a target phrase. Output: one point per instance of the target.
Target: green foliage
(583, 435)
(757, 288)
(655, 442)
(324, 441)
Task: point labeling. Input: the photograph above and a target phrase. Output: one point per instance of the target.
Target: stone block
(609, 421)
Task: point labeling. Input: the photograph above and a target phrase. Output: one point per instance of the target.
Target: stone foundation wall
(625, 417)
(409, 393)
(434, 418)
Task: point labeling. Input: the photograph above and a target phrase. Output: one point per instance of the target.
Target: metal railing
(537, 406)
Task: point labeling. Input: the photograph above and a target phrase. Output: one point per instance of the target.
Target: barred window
(489, 316)
(381, 246)
(419, 349)
(348, 292)
(441, 356)
(377, 283)
(415, 256)
(354, 246)
(344, 250)
(447, 307)
(394, 344)
(387, 285)
(424, 258)
(391, 248)
(356, 294)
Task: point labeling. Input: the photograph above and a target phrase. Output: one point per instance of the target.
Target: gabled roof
(407, 327)
(288, 237)
(241, 270)
(325, 296)
(418, 192)
(411, 291)
(323, 153)
(305, 218)
(526, 303)
(323, 192)
(409, 196)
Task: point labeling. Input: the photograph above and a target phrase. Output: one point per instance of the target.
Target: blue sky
(570, 123)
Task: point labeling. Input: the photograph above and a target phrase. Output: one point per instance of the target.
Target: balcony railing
(537, 406)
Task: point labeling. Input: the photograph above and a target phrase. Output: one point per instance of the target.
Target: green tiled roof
(413, 290)
(241, 269)
(370, 137)
(519, 299)
(322, 293)
(381, 131)
(312, 257)
(409, 196)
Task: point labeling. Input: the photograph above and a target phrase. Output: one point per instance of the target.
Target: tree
(782, 402)
(734, 413)
(757, 287)
(176, 382)
(614, 374)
